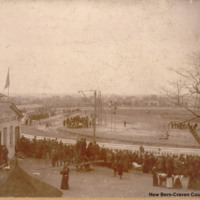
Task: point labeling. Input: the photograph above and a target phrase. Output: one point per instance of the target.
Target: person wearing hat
(65, 178)
(120, 168)
(154, 175)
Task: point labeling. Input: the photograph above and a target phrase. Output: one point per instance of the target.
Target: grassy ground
(144, 126)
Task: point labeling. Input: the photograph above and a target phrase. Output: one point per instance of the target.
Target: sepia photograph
(100, 98)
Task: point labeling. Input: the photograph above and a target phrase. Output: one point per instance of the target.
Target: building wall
(9, 132)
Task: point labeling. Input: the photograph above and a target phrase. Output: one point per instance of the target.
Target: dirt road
(99, 182)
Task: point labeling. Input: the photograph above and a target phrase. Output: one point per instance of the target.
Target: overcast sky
(122, 46)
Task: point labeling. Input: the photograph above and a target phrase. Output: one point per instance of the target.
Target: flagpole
(9, 82)
(7, 85)
(8, 91)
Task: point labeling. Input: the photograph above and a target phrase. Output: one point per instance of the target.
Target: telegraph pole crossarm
(82, 92)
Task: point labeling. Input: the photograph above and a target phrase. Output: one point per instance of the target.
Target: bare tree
(187, 87)
(191, 75)
(176, 91)
(185, 91)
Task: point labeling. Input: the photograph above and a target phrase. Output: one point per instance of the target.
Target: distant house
(10, 126)
(151, 103)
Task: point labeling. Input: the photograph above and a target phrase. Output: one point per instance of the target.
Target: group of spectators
(175, 166)
(73, 110)
(39, 116)
(78, 122)
(57, 154)
(182, 126)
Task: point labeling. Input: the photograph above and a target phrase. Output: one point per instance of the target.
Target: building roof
(4, 106)
(21, 184)
(2, 95)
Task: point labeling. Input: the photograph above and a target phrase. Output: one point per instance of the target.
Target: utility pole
(111, 115)
(99, 108)
(111, 118)
(115, 113)
(95, 109)
(113, 110)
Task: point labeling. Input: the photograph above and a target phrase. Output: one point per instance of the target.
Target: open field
(144, 126)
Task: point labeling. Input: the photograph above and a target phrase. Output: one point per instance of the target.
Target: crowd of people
(57, 154)
(78, 121)
(70, 111)
(182, 125)
(173, 168)
(39, 116)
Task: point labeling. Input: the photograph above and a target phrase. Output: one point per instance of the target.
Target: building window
(11, 135)
(5, 136)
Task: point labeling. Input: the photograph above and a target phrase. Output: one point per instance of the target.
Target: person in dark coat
(65, 178)
(114, 166)
(120, 169)
(53, 157)
(194, 176)
(155, 178)
(177, 182)
(5, 155)
(142, 149)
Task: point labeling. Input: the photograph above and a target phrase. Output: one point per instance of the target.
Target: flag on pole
(7, 81)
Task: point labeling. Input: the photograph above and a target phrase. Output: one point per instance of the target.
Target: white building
(10, 126)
